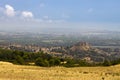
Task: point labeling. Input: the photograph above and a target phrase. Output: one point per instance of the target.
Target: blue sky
(79, 14)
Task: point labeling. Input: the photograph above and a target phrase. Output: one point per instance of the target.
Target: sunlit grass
(9, 71)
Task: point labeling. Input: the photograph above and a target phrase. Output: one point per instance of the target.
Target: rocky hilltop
(84, 51)
(81, 46)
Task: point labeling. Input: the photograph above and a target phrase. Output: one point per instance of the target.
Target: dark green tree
(40, 62)
(51, 62)
(19, 60)
(106, 63)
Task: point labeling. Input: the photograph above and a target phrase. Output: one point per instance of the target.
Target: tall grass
(9, 71)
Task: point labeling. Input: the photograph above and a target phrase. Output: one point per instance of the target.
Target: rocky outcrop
(81, 46)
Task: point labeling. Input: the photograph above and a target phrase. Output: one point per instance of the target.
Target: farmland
(9, 71)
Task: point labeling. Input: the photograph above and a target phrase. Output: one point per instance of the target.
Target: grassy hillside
(9, 71)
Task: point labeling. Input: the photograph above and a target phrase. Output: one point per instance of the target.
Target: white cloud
(9, 11)
(90, 10)
(15, 19)
(27, 14)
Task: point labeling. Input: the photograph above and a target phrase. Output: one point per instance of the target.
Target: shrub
(41, 62)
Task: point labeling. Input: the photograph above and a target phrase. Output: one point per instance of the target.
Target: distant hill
(85, 51)
(81, 46)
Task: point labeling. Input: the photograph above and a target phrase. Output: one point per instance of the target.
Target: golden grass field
(8, 71)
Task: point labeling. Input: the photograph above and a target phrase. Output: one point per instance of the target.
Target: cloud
(27, 14)
(9, 11)
(13, 17)
(90, 10)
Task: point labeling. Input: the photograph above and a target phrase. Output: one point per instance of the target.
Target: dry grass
(9, 71)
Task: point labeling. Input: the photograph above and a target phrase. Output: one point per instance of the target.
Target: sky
(59, 15)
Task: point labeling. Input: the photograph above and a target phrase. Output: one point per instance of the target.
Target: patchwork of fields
(8, 71)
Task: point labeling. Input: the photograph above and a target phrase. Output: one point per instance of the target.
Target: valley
(92, 47)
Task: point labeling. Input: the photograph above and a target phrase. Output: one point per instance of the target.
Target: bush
(56, 61)
(106, 63)
(51, 62)
(19, 60)
(41, 62)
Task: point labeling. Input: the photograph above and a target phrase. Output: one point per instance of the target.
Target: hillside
(81, 46)
(9, 71)
(85, 51)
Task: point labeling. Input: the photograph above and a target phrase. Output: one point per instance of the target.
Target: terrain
(8, 71)
(85, 51)
(90, 46)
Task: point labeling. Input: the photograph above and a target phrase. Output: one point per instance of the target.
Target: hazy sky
(38, 15)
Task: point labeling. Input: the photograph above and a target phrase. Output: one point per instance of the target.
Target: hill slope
(9, 71)
(83, 50)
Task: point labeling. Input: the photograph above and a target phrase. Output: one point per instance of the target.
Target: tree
(19, 60)
(51, 62)
(106, 63)
(57, 62)
(40, 62)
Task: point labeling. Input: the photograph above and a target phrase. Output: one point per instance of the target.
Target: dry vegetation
(9, 71)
